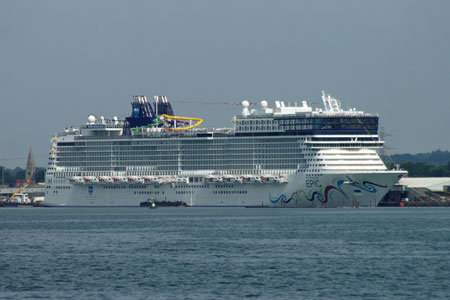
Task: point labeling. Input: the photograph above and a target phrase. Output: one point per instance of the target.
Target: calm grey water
(224, 253)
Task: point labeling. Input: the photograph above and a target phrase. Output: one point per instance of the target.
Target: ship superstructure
(289, 155)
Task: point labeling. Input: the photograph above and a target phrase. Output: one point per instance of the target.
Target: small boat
(17, 200)
(152, 205)
(162, 203)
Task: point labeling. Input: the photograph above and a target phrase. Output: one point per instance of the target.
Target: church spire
(31, 167)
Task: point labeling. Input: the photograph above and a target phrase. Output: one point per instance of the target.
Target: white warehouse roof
(434, 184)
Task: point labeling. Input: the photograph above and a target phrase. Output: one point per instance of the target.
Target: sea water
(224, 253)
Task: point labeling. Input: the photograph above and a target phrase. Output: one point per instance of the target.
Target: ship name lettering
(313, 183)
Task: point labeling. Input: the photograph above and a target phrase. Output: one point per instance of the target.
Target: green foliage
(40, 175)
(437, 157)
(10, 176)
(421, 169)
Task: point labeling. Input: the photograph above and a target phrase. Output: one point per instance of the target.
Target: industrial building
(419, 191)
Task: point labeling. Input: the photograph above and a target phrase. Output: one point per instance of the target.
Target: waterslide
(199, 121)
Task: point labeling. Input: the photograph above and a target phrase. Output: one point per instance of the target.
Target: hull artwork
(327, 190)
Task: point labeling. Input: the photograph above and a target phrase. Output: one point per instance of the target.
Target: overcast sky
(62, 60)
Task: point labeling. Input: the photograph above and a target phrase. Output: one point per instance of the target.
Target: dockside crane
(19, 191)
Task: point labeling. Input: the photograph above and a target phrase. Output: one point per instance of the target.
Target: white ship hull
(287, 156)
(323, 190)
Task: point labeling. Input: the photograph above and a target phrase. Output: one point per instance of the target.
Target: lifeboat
(181, 180)
(267, 179)
(281, 179)
(90, 179)
(149, 180)
(250, 179)
(76, 179)
(109, 180)
(165, 180)
(138, 179)
(245, 179)
(230, 179)
(212, 179)
(101, 179)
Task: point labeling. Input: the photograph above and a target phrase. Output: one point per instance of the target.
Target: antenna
(331, 104)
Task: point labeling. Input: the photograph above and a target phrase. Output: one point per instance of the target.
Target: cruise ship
(287, 155)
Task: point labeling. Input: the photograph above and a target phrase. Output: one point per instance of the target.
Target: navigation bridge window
(259, 125)
(362, 125)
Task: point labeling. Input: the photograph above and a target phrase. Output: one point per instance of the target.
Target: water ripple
(208, 253)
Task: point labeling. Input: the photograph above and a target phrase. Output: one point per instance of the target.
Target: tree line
(431, 164)
(421, 169)
(10, 176)
(438, 157)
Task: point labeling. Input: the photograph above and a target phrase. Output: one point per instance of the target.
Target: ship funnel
(162, 106)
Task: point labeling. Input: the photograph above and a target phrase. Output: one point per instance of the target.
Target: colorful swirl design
(322, 195)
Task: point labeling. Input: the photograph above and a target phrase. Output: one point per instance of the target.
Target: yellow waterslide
(199, 121)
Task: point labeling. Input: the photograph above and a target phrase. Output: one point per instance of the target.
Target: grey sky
(60, 60)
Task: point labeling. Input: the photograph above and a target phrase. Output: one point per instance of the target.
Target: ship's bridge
(302, 119)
